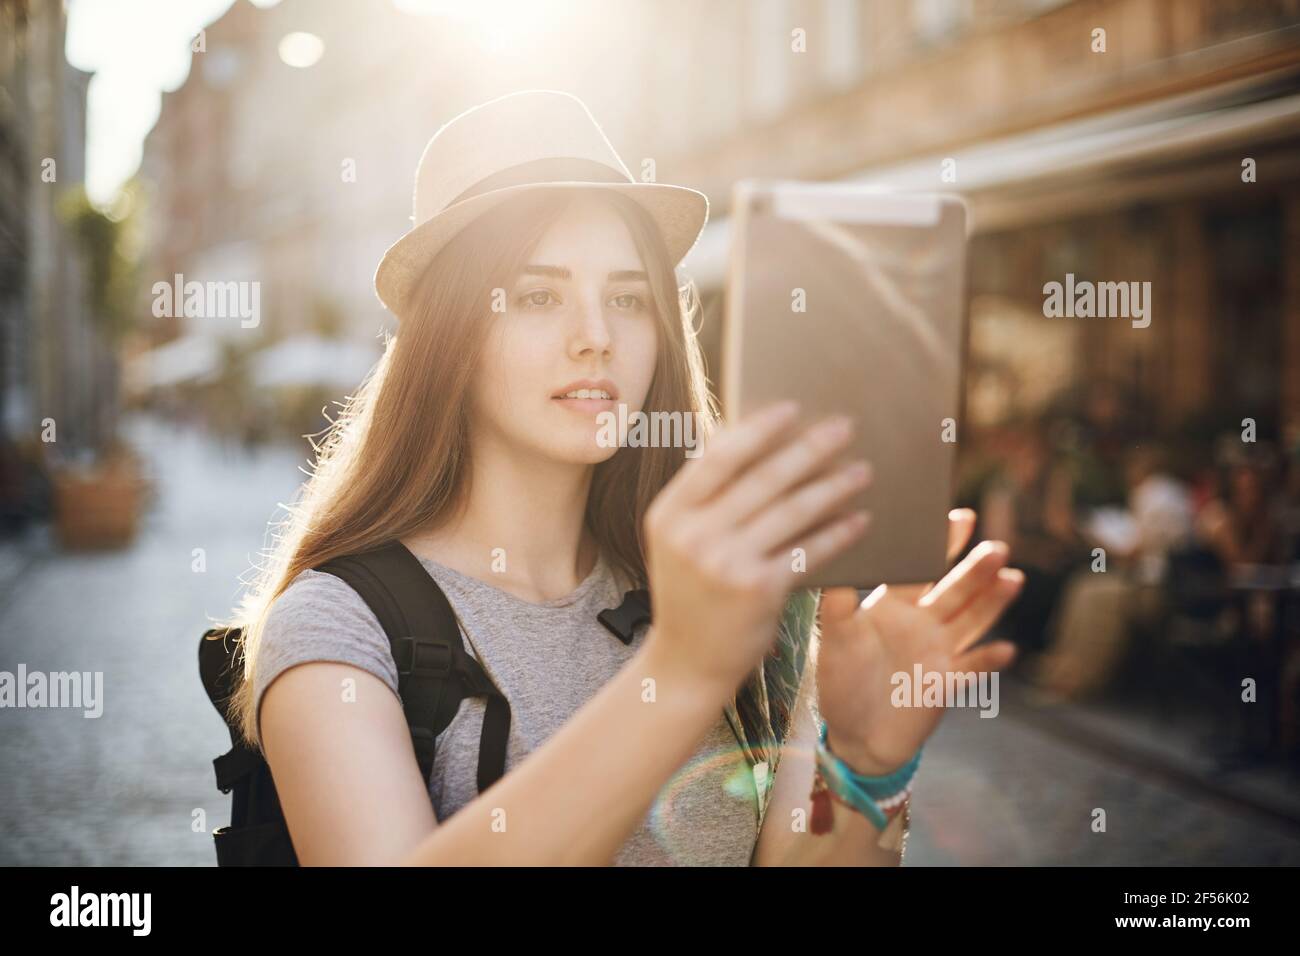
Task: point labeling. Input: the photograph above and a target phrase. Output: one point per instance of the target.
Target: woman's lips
(587, 406)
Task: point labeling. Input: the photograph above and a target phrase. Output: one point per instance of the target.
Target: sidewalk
(124, 788)
(1023, 788)
(1178, 745)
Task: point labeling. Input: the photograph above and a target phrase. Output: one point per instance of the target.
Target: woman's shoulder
(311, 591)
(319, 617)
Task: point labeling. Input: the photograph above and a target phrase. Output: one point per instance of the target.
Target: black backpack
(435, 673)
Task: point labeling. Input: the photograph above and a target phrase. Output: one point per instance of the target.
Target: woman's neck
(521, 527)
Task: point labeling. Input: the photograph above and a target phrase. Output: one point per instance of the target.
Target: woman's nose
(591, 327)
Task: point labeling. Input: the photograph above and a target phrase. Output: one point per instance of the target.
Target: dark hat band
(553, 169)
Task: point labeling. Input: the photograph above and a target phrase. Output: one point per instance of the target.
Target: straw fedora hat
(534, 139)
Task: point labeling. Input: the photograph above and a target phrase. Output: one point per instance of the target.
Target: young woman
(537, 291)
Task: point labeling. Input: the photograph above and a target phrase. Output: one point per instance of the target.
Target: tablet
(852, 301)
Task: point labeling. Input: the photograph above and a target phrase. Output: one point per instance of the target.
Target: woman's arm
(720, 575)
(351, 790)
(787, 838)
(344, 768)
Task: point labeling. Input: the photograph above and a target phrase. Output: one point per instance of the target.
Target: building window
(769, 58)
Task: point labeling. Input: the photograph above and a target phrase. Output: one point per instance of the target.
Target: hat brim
(679, 211)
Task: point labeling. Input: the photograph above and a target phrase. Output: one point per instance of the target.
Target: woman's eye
(537, 299)
(627, 301)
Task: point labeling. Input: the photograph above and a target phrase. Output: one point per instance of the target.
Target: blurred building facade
(54, 361)
(1122, 160)
(260, 170)
(1125, 164)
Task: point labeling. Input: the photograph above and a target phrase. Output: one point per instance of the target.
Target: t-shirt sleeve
(319, 617)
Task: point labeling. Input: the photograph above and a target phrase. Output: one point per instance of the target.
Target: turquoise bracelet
(859, 791)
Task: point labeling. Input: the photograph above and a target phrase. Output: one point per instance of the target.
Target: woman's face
(578, 317)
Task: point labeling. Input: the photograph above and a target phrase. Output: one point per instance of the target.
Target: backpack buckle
(426, 658)
(622, 621)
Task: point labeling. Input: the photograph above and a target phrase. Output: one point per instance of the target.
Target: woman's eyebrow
(554, 272)
(560, 272)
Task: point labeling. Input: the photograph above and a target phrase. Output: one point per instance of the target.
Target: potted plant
(98, 482)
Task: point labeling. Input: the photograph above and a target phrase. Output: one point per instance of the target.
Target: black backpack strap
(435, 671)
(219, 669)
(218, 660)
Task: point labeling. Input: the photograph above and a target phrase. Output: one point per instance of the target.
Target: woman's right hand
(721, 535)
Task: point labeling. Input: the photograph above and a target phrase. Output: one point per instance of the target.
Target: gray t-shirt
(548, 660)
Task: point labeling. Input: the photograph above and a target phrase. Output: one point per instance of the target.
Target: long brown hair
(396, 458)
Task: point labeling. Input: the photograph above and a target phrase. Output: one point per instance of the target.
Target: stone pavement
(1003, 791)
(122, 788)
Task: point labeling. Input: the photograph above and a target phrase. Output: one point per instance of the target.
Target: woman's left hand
(863, 646)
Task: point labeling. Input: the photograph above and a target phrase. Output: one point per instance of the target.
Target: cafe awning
(1140, 153)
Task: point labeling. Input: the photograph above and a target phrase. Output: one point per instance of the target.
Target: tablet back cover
(880, 279)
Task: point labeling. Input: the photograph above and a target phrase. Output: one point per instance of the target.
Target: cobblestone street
(1005, 792)
(123, 788)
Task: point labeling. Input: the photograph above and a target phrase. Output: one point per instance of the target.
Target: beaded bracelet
(876, 798)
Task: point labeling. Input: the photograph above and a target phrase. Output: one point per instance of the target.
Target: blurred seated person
(1244, 527)
(1029, 504)
(1250, 527)
(1242, 523)
(1119, 587)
